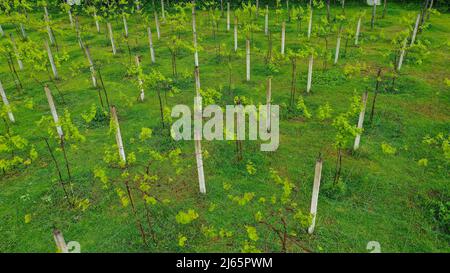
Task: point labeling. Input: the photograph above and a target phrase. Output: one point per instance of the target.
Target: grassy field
(389, 198)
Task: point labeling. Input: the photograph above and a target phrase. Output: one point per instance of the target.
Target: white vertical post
(198, 132)
(111, 36)
(52, 61)
(338, 46)
(16, 52)
(194, 32)
(315, 194)
(150, 42)
(118, 135)
(60, 242)
(125, 25)
(310, 22)
(358, 28)
(163, 11)
(91, 65)
(361, 119)
(248, 59)
(266, 21)
(96, 21)
(22, 30)
(235, 34)
(2, 33)
(283, 36)
(6, 102)
(228, 16)
(310, 70)
(51, 103)
(158, 33)
(268, 103)
(70, 17)
(416, 26)
(49, 30)
(402, 55)
(141, 83)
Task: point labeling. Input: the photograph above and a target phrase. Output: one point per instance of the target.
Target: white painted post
(111, 36)
(197, 132)
(228, 16)
(118, 135)
(141, 84)
(283, 36)
(158, 33)
(22, 30)
(248, 59)
(338, 46)
(125, 25)
(2, 33)
(310, 22)
(310, 70)
(235, 34)
(268, 103)
(402, 55)
(266, 21)
(60, 242)
(150, 42)
(91, 65)
(51, 103)
(49, 30)
(358, 28)
(96, 21)
(194, 32)
(162, 11)
(16, 52)
(315, 194)
(6, 102)
(70, 17)
(52, 61)
(416, 26)
(197, 81)
(361, 119)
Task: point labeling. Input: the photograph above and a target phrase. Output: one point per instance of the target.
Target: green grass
(384, 197)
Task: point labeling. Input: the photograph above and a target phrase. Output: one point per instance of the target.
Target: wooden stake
(91, 65)
(361, 119)
(150, 42)
(248, 59)
(283, 36)
(338, 46)
(197, 133)
(60, 242)
(310, 70)
(51, 103)
(402, 55)
(111, 36)
(125, 25)
(358, 28)
(268, 103)
(235, 34)
(266, 21)
(52, 61)
(141, 84)
(315, 193)
(96, 21)
(310, 22)
(16, 52)
(6, 102)
(194, 32)
(118, 135)
(416, 26)
(228, 16)
(158, 33)
(163, 11)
